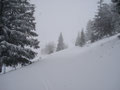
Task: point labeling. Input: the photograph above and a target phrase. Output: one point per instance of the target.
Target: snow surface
(93, 67)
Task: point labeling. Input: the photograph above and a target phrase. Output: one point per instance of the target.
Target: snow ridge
(93, 67)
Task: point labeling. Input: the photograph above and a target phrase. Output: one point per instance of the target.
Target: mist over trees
(17, 33)
(49, 48)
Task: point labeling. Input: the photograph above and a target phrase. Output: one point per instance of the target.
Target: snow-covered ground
(93, 67)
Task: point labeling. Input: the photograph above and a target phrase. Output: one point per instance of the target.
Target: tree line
(105, 23)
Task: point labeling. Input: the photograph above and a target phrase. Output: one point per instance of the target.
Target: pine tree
(82, 39)
(77, 43)
(103, 24)
(89, 30)
(17, 32)
(60, 45)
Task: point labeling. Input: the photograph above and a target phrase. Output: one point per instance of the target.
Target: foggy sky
(66, 16)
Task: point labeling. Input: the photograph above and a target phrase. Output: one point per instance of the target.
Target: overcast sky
(66, 16)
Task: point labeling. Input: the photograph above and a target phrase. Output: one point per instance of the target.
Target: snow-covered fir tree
(82, 39)
(77, 42)
(116, 17)
(103, 24)
(60, 45)
(89, 35)
(89, 30)
(17, 32)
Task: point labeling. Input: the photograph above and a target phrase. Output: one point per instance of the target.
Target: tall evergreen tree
(82, 38)
(89, 30)
(17, 32)
(116, 9)
(60, 45)
(103, 24)
(77, 43)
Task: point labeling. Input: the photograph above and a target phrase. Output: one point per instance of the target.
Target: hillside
(93, 67)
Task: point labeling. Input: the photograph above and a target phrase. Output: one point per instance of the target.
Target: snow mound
(93, 67)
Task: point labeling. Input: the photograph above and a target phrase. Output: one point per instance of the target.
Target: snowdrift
(93, 67)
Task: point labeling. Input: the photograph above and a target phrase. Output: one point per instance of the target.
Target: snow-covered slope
(94, 67)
